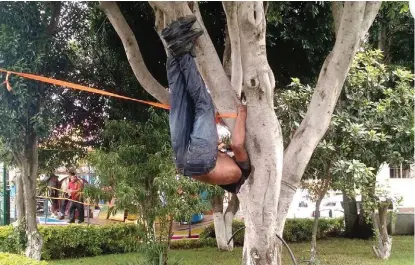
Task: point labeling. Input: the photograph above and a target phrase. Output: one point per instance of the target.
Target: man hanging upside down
(193, 129)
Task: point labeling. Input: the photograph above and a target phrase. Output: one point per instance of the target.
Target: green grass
(331, 252)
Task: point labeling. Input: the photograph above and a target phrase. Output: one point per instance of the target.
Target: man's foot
(178, 28)
(179, 37)
(80, 222)
(185, 43)
(71, 221)
(61, 218)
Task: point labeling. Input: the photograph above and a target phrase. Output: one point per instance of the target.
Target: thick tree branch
(173, 9)
(227, 62)
(132, 50)
(323, 101)
(337, 11)
(259, 12)
(207, 59)
(160, 23)
(371, 11)
(231, 10)
(233, 205)
(17, 157)
(329, 84)
(266, 6)
(54, 21)
(159, 19)
(257, 75)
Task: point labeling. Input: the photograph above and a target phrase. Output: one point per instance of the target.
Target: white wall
(404, 187)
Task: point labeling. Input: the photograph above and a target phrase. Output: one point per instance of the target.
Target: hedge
(193, 243)
(14, 259)
(74, 241)
(295, 230)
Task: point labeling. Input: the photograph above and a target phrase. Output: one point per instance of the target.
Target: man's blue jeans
(193, 130)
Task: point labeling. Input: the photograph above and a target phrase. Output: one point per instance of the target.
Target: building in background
(400, 181)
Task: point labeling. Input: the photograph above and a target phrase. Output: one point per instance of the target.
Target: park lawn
(331, 252)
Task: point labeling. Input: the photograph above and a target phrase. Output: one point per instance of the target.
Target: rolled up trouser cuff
(199, 167)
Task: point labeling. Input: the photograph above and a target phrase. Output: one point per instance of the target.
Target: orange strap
(90, 89)
(80, 87)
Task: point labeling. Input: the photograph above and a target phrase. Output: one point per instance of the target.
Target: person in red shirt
(75, 188)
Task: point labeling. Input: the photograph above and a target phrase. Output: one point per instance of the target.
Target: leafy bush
(14, 259)
(193, 243)
(296, 230)
(75, 241)
(238, 239)
(12, 240)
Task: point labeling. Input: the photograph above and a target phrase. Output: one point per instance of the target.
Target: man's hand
(242, 109)
(221, 145)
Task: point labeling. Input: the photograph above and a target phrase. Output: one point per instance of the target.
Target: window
(330, 204)
(400, 171)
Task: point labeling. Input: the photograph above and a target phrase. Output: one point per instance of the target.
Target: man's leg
(63, 208)
(194, 138)
(203, 161)
(201, 156)
(81, 212)
(202, 153)
(72, 212)
(181, 113)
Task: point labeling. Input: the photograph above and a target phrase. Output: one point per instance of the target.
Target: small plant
(13, 259)
(155, 255)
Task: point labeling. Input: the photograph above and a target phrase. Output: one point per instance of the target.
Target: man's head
(73, 178)
(72, 171)
(72, 174)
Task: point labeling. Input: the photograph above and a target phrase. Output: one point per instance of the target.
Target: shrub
(12, 239)
(193, 243)
(296, 230)
(73, 241)
(78, 241)
(238, 239)
(14, 259)
(299, 230)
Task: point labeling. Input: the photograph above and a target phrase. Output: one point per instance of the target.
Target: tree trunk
(223, 221)
(259, 196)
(34, 239)
(383, 42)
(20, 203)
(350, 215)
(313, 250)
(169, 235)
(230, 212)
(364, 228)
(384, 241)
(219, 222)
(190, 227)
(382, 37)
